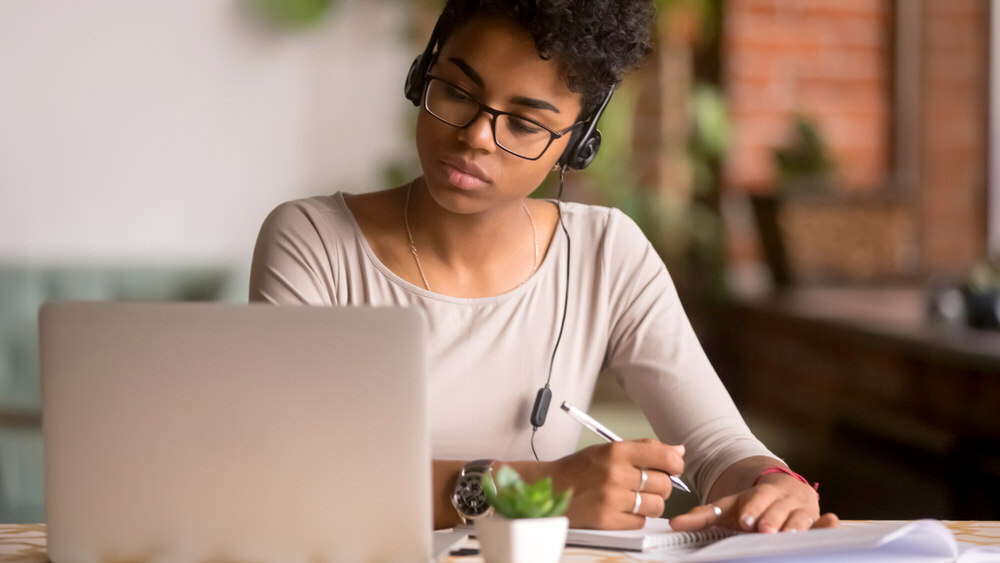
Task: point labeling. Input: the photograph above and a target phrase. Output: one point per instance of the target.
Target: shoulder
(298, 246)
(602, 225)
(610, 242)
(309, 219)
(297, 211)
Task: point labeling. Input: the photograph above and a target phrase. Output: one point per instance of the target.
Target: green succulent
(510, 496)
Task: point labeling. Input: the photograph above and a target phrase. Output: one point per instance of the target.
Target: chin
(453, 199)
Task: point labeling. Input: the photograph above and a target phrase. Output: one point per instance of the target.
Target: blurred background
(820, 176)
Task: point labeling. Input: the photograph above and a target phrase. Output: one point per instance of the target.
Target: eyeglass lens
(515, 134)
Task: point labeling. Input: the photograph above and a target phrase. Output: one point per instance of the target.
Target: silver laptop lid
(183, 432)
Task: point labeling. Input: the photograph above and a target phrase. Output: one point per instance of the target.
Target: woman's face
(495, 61)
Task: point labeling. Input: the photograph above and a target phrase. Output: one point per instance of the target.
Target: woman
(509, 91)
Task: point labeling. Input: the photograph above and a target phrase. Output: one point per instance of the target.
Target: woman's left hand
(778, 503)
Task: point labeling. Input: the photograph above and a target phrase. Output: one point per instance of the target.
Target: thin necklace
(416, 257)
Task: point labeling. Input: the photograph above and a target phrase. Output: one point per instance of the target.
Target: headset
(579, 153)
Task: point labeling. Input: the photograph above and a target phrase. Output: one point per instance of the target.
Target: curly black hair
(594, 42)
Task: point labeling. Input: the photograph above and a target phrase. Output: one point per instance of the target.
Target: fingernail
(748, 521)
(768, 528)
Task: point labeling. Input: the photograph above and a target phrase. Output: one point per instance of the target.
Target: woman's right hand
(606, 478)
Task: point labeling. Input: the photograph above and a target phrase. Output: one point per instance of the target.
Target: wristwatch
(468, 497)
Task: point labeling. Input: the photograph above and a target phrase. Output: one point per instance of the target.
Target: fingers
(650, 458)
(626, 462)
(700, 517)
(652, 454)
(646, 504)
(828, 520)
(798, 520)
(766, 509)
(610, 489)
(657, 482)
(613, 508)
(769, 509)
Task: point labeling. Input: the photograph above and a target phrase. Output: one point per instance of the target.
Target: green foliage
(712, 133)
(510, 496)
(805, 162)
(294, 13)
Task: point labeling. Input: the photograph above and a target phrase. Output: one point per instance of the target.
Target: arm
(604, 479)
(665, 371)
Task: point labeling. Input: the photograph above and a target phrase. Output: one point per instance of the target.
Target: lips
(464, 175)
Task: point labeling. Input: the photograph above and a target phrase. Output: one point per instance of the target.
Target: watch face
(469, 497)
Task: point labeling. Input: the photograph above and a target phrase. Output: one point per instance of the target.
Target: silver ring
(642, 480)
(717, 511)
(638, 503)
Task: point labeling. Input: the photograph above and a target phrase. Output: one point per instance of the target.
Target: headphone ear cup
(414, 87)
(585, 151)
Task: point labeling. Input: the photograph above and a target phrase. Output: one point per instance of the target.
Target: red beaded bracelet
(786, 471)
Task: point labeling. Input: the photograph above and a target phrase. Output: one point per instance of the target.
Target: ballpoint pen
(602, 431)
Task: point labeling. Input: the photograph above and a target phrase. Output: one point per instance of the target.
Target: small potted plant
(527, 524)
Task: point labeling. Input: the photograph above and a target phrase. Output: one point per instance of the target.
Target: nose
(479, 133)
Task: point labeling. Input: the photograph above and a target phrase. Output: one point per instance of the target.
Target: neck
(477, 254)
(466, 240)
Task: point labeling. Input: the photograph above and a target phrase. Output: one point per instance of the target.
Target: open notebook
(916, 541)
(655, 535)
(909, 541)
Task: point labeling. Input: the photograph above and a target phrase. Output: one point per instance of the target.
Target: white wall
(165, 131)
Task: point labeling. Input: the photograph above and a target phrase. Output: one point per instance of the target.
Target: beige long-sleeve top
(489, 356)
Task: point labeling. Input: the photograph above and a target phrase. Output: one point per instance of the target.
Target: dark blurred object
(946, 305)
(817, 238)
(964, 305)
(982, 308)
(982, 296)
(766, 208)
(973, 302)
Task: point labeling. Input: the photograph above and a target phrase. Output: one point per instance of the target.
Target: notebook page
(923, 540)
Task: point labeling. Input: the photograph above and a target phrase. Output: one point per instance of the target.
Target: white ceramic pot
(522, 540)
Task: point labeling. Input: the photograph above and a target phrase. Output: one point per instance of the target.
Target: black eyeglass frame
(494, 113)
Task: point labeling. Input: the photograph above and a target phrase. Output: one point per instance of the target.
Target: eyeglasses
(513, 133)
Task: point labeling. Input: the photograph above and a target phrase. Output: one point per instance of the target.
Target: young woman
(523, 293)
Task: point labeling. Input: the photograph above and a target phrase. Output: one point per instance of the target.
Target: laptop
(224, 432)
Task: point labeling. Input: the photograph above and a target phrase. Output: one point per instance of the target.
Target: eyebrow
(518, 100)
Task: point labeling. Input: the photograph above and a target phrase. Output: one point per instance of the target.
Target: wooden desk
(862, 374)
(25, 543)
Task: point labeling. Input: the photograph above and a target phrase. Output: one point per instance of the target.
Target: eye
(522, 126)
(456, 94)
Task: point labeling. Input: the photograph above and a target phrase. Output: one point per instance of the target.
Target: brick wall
(954, 112)
(827, 60)
(835, 62)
